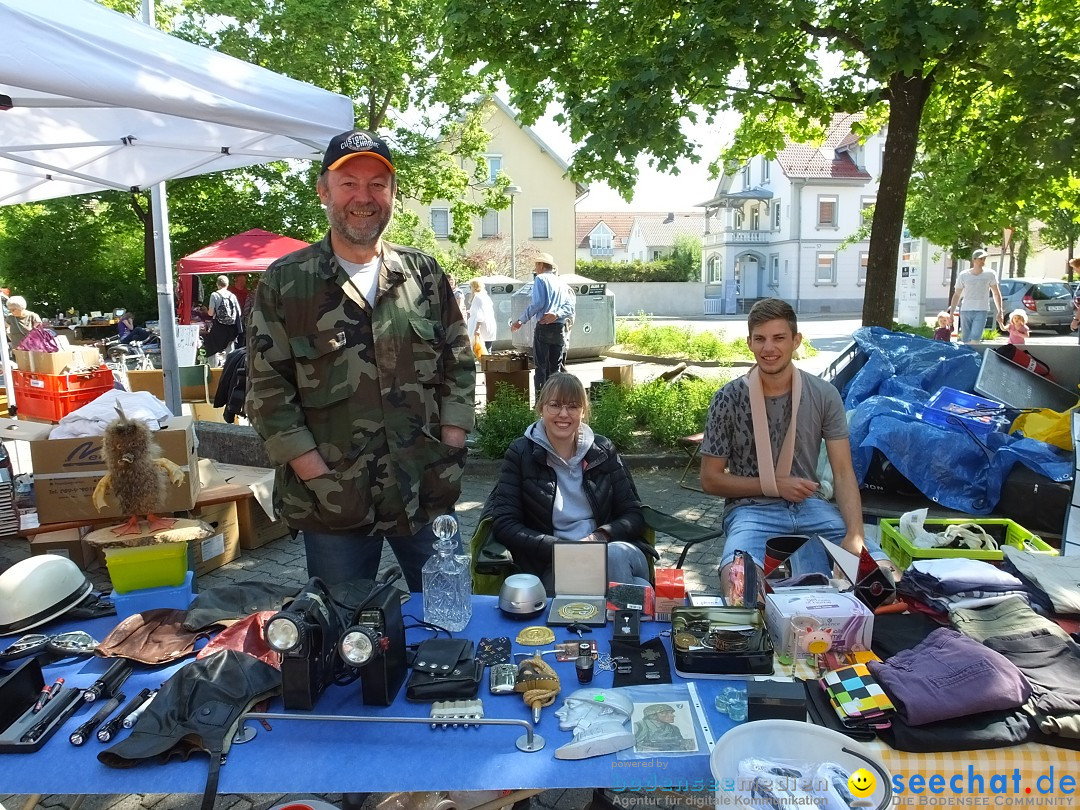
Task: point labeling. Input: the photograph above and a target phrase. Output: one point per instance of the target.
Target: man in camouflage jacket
(361, 379)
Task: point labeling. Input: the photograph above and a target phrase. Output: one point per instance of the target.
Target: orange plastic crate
(36, 404)
(99, 379)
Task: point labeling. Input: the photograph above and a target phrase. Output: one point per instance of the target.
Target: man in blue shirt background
(553, 302)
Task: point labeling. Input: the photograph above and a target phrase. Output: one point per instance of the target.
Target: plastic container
(43, 406)
(98, 379)
(177, 597)
(793, 741)
(958, 409)
(902, 552)
(156, 566)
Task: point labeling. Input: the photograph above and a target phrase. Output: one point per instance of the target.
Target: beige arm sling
(767, 472)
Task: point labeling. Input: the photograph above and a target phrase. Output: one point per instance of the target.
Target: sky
(654, 191)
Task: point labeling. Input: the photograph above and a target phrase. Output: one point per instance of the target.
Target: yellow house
(541, 215)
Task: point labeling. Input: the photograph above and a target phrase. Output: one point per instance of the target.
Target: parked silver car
(1047, 302)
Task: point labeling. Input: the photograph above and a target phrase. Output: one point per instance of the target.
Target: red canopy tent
(249, 252)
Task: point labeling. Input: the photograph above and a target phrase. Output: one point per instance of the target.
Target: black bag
(444, 669)
(227, 311)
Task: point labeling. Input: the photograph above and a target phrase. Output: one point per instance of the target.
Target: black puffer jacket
(523, 501)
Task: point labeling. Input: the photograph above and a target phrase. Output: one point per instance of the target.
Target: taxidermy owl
(136, 474)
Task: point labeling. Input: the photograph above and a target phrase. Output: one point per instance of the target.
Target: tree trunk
(145, 214)
(907, 97)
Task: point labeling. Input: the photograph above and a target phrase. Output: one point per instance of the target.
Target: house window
(489, 225)
(540, 228)
(826, 211)
(655, 255)
(867, 210)
(755, 218)
(738, 219)
(776, 215)
(774, 270)
(746, 176)
(714, 269)
(864, 260)
(826, 269)
(765, 170)
(440, 222)
(602, 242)
(494, 163)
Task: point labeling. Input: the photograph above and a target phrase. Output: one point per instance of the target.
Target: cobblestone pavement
(282, 561)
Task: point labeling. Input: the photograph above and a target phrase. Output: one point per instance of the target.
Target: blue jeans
(972, 324)
(338, 558)
(626, 563)
(747, 527)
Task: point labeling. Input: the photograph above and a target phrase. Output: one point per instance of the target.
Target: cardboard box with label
(67, 470)
(61, 362)
(65, 543)
(258, 526)
(223, 545)
(670, 592)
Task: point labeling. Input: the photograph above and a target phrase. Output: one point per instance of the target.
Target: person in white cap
(553, 305)
(973, 290)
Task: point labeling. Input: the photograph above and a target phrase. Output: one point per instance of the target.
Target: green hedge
(660, 270)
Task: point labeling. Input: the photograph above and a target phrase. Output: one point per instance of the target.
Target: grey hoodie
(572, 515)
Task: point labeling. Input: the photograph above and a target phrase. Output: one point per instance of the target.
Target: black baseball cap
(353, 143)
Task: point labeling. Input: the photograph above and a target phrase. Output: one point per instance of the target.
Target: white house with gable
(784, 228)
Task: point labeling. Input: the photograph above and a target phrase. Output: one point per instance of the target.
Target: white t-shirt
(482, 314)
(976, 289)
(365, 277)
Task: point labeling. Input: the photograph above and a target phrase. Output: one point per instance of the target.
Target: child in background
(944, 327)
(1018, 329)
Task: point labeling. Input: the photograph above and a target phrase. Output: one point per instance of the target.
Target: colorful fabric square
(854, 692)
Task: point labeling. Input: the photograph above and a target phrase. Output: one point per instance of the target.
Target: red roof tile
(802, 160)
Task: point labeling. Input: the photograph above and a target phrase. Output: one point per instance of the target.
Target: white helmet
(37, 590)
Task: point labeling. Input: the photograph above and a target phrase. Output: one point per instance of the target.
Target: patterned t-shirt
(729, 429)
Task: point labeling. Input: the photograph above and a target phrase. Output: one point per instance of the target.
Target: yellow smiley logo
(862, 783)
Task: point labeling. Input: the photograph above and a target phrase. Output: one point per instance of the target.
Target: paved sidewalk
(282, 561)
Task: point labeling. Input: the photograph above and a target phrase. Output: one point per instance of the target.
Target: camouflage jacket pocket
(426, 351)
(340, 502)
(440, 482)
(322, 368)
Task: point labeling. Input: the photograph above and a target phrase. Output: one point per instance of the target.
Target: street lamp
(512, 191)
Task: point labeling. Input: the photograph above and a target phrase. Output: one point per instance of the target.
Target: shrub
(922, 329)
(611, 418)
(503, 419)
(670, 411)
(642, 337)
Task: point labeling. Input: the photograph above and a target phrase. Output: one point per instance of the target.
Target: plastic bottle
(447, 580)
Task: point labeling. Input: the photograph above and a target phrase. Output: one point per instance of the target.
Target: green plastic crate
(902, 552)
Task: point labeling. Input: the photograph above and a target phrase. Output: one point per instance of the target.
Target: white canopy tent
(91, 99)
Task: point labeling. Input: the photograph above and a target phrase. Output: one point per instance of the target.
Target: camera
(374, 645)
(306, 633)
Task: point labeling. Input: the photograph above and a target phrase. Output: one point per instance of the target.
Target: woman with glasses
(561, 481)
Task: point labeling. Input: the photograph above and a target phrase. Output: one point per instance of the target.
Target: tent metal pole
(170, 364)
(5, 361)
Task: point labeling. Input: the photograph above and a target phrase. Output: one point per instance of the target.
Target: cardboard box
(258, 525)
(78, 357)
(517, 379)
(153, 381)
(848, 622)
(65, 543)
(67, 470)
(670, 592)
(223, 545)
(619, 373)
(505, 362)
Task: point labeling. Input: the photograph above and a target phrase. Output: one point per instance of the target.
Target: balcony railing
(602, 251)
(731, 236)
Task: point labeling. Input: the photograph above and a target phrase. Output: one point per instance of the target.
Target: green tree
(630, 76)
(686, 256)
(390, 59)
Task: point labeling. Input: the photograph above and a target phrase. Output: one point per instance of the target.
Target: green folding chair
(687, 533)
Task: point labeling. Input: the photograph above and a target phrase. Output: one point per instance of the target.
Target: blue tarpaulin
(949, 464)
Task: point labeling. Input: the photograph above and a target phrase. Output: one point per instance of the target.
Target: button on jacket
(369, 388)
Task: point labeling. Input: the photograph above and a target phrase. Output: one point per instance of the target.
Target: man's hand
(795, 490)
(308, 466)
(515, 326)
(548, 317)
(453, 436)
